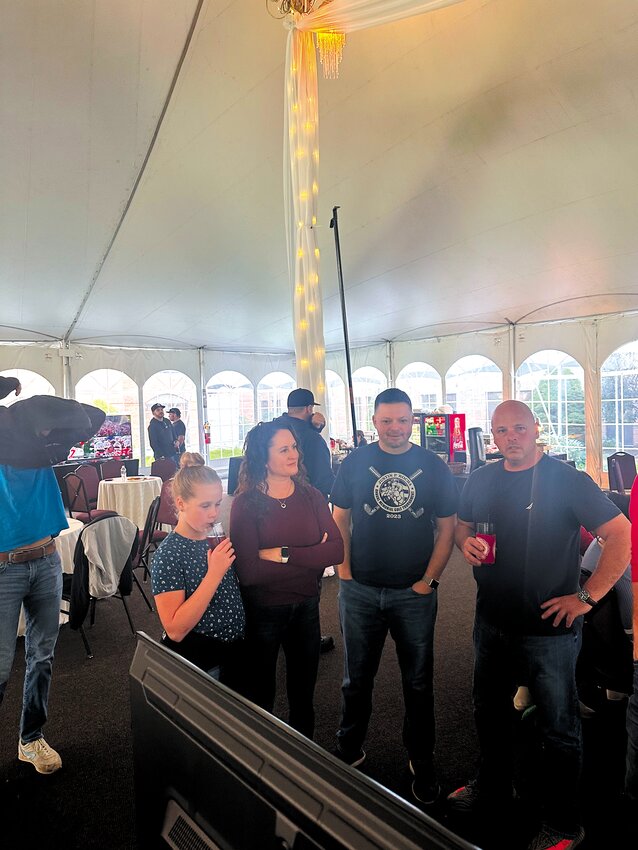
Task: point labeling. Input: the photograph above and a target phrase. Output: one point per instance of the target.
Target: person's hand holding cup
(486, 533)
(220, 550)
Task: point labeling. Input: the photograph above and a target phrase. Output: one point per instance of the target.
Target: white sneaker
(43, 757)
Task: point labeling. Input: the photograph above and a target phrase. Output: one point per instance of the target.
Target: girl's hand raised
(220, 558)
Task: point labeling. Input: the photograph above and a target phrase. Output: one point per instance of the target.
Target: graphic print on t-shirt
(394, 493)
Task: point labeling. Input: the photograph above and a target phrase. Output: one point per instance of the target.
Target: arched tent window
(173, 389)
(272, 395)
(32, 384)
(367, 383)
(619, 385)
(552, 384)
(336, 408)
(114, 393)
(422, 383)
(474, 386)
(231, 413)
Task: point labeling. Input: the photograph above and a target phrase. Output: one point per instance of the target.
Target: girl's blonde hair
(192, 471)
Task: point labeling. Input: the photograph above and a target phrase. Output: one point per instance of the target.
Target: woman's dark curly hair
(253, 471)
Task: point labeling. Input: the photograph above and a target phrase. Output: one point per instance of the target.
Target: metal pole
(334, 224)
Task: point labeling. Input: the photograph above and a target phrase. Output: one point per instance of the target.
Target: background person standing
(34, 434)
(160, 434)
(529, 612)
(179, 429)
(393, 494)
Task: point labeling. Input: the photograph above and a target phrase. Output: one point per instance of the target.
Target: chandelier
(329, 42)
(288, 7)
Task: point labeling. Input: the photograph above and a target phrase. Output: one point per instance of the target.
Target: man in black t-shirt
(393, 493)
(179, 430)
(529, 612)
(160, 434)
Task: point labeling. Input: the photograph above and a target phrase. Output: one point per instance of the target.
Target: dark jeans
(367, 615)
(631, 777)
(295, 628)
(548, 665)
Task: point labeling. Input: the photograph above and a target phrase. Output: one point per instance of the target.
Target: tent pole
(334, 224)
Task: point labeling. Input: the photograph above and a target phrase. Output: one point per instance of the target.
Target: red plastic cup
(486, 532)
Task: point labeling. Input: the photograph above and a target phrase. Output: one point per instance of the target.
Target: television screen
(214, 771)
(113, 440)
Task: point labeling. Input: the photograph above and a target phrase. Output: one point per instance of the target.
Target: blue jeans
(295, 628)
(37, 585)
(548, 666)
(631, 777)
(367, 615)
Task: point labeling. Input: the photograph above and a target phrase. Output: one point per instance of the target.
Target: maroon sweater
(300, 526)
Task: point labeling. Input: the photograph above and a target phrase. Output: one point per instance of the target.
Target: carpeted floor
(90, 804)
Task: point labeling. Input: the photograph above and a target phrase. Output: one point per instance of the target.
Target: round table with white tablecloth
(65, 546)
(130, 497)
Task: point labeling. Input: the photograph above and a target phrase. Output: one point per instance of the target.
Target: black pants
(295, 628)
(210, 655)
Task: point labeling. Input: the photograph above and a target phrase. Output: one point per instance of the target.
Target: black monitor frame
(245, 780)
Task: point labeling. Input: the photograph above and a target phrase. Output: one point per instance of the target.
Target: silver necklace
(282, 502)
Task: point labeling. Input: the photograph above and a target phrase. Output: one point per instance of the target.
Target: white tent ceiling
(484, 156)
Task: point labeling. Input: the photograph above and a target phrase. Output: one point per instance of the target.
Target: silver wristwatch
(585, 596)
(433, 582)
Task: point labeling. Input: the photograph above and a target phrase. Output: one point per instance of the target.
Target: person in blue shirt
(34, 434)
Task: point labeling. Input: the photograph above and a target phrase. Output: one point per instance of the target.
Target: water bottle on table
(123, 472)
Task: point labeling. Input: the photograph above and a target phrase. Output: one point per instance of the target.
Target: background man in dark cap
(316, 454)
(179, 429)
(160, 434)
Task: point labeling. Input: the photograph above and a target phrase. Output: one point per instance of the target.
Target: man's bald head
(515, 432)
(516, 408)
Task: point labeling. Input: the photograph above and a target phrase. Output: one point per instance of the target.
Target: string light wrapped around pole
(301, 191)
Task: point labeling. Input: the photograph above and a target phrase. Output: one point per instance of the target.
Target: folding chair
(78, 501)
(166, 515)
(621, 469)
(103, 562)
(476, 448)
(89, 474)
(164, 468)
(146, 545)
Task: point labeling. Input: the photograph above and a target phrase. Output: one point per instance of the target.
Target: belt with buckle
(21, 556)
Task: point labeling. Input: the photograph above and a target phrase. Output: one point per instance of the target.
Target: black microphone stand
(334, 224)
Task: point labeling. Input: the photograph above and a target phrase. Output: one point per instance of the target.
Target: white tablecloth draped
(65, 543)
(130, 497)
